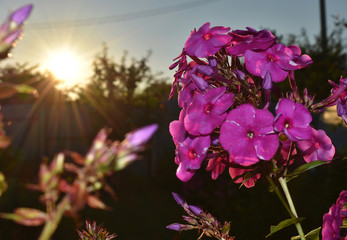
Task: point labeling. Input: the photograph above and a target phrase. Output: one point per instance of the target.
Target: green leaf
(303, 168)
(284, 224)
(26, 89)
(313, 235)
(26, 216)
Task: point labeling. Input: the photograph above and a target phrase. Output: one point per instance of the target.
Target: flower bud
(196, 210)
(174, 226)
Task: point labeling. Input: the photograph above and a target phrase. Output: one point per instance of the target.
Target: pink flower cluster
(224, 81)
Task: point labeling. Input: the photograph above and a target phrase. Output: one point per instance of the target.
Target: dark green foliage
(123, 94)
(328, 64)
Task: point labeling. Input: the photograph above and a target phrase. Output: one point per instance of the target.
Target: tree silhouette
(117, 90)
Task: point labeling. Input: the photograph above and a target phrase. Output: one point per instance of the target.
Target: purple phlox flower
(207, 41)
(191, 152)
(248, 135)
(318, 147)
(333, 220)
(207, 111)
(299, 60)
(250, 39)
(293, 119)
(235, 172)
(216, 166)
(272, 65)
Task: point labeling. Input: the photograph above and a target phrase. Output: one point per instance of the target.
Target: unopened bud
(140, 136)
(57, 166)
(178, 198)
(196, 210)
(174, 226)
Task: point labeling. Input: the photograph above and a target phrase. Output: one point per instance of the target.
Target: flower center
(207, 36)
(286, 124)
(191, 154)
(208, 107)
(271, 58)
(316, 145)
(250, 134)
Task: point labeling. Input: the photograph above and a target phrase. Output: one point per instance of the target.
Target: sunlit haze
(65, 66)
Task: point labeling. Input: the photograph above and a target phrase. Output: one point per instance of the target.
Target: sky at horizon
(160, 26)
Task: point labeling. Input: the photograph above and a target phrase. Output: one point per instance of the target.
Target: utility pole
(323, 26)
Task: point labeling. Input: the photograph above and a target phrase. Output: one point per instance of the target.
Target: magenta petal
(220, 30)
(301, 115)
(204, 28)
(286, 106)
(245, 153)
(230, 133)
(295, 49)
(277, 73)
(204, 50)
(244, 114)
(255, 62)
(223, 103)
(214, 94)
(183, 174)
(266, 146)
(326, 155)
(210, 122)
(219, 40)
(298, 133)
(264, 121)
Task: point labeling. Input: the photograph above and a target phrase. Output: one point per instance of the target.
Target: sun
(65, 66)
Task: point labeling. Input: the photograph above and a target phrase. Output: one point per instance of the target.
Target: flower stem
(280, 196)
(292, 207)
(53, 222)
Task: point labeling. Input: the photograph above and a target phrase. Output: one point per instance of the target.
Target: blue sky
(164, 34)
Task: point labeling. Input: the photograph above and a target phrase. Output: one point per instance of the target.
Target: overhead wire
(120, 17)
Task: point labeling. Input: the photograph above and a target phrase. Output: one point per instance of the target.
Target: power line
(120, 17)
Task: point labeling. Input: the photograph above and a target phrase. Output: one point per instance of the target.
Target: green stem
(52, 223)
(280, 196)
(292, 207)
